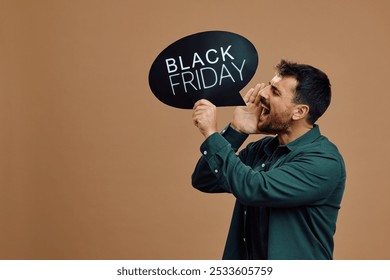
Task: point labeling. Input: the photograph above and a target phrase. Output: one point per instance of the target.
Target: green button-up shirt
(287, 196)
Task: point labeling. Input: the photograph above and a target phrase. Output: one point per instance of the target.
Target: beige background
(93, 166)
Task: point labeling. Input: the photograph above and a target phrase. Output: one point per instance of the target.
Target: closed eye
(275, 90)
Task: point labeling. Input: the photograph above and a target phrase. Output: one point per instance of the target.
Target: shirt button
(244, 239)
(205, 152)
(216, 170)
(245, 212)
(223, 131)
(263, 165)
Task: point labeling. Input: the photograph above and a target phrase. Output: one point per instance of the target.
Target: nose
(264, 94)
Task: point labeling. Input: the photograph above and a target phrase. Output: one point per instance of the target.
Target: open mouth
(266, 110)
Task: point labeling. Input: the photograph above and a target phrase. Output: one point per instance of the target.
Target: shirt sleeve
(308, 179)
(204, 177)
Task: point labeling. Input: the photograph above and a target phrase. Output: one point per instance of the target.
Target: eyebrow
(274, 87)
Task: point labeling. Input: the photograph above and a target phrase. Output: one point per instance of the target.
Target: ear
(300, 112)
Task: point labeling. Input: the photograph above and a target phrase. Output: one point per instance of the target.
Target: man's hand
(246, 118)
(205, 117)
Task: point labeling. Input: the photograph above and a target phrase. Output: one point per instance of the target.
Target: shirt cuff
(213, 144)
(235, 138)
(217, 141)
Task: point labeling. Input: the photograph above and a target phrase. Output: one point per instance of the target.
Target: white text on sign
(204, 73)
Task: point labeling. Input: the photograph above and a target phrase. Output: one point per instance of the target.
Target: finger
(262, 86)
(198, 103)
(196, 116)
(201, 109)
(195, 121)
(203, 102)
(248, 95)
(255, 93)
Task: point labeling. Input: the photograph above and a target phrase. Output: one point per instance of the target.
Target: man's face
(278, 105)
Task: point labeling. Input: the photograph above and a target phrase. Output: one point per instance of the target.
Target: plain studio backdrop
(93, 166)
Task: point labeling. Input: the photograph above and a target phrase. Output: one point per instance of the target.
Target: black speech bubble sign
(214, 65)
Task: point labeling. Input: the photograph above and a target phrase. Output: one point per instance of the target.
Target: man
(288, 187)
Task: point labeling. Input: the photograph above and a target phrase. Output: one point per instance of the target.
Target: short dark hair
(313, 88)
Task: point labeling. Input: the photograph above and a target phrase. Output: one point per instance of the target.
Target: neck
(293, 132)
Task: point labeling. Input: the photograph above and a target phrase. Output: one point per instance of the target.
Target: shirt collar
(306, 138)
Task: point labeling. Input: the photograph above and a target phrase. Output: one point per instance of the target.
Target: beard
(275, 124)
